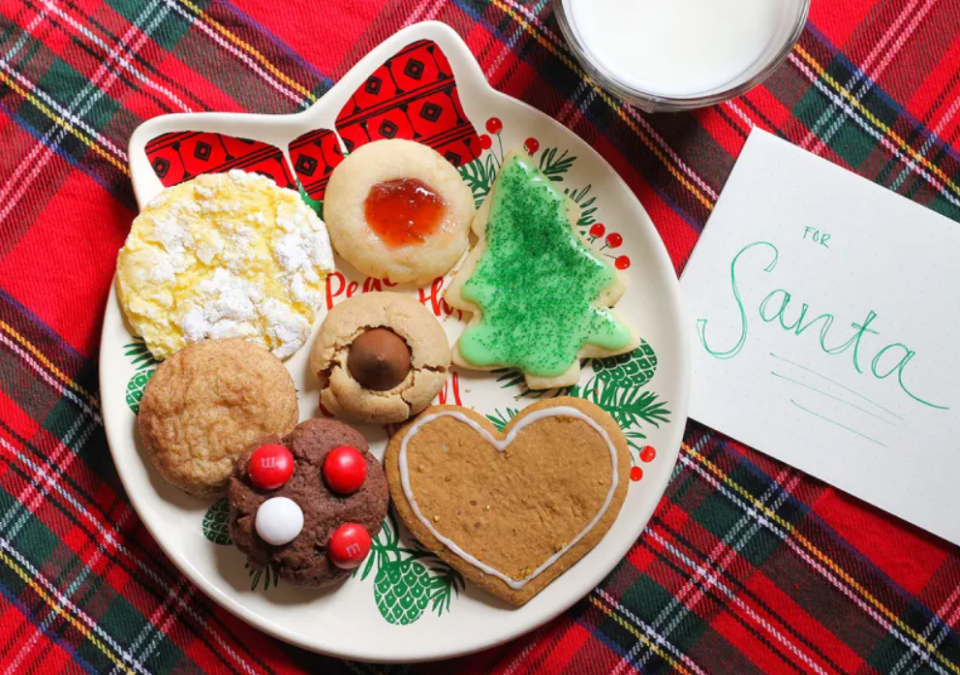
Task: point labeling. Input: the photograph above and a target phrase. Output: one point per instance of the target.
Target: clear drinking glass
(776, 52)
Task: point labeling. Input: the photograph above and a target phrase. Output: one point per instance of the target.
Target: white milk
(677, 47)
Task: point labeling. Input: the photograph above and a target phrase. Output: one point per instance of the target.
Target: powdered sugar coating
(224, 255)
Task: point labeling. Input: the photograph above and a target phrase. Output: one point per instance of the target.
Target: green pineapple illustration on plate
(409, 581)
(145, 364)
(401, 589)
(216, 523)
(634, 369)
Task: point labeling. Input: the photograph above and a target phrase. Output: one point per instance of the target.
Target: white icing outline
(501, 446)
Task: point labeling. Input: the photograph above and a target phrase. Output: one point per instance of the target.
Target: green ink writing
(817, 236)
(774, 308)
(702, 323)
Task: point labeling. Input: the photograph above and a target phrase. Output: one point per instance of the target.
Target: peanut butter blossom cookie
(540, 298)
(224, 256)
(379, 357)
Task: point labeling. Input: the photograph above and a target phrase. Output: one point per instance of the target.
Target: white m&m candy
(279, 521)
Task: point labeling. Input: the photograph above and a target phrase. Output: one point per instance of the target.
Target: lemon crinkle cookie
(224, 256)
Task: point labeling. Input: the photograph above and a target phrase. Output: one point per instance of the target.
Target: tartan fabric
(747, 566)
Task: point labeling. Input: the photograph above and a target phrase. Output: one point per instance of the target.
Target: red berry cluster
(647, 455)
(494, 126)
(613, 240)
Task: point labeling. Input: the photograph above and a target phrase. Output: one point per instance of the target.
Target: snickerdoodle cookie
(206, 404)
(380, 357)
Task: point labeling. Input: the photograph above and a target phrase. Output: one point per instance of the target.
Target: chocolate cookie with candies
(309, 503)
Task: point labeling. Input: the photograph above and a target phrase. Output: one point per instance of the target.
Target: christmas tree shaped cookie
(540, 298)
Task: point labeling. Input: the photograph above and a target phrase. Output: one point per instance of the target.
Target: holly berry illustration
(648, 454)
(349, 545)
(146, 365)
(270, 466)
(636, 474)
(614, 240)
(494, 125)
(622, 263)
(409, 581)
(531, 145)
(344, 469)
(597, 230)
(485, 142)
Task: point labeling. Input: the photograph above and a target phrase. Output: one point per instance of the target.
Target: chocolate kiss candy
(379, 359)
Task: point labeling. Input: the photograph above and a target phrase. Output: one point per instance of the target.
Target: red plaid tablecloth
(748, 566)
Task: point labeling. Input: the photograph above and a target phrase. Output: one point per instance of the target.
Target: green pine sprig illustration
(501, 419)
(553, 166)
(586, 203)
(139, 355)
(145, 364)
(479, 175)
(630, 406)
(268, 575)
(408, 580)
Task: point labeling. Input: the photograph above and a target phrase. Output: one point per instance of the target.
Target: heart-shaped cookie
(511, 511)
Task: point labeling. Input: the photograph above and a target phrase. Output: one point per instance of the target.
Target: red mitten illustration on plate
(314, 156)
(179, 156)
(412, 96)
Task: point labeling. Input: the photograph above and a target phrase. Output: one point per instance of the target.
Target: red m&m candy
(348, 546)
(344, 469)
(270, 466)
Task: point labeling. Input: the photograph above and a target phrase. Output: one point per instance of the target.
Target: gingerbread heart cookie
(510, 511)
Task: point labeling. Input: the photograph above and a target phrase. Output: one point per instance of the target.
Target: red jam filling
(404, 211)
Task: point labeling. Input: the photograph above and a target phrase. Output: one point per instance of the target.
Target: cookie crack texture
(194, 421)
(414, 324)
(222, 256)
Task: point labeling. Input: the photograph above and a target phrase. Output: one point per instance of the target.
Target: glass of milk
(670, 55)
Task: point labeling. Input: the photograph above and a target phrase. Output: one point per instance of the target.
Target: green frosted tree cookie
(541, 298)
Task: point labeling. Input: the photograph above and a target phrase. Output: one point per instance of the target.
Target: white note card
(824, 317)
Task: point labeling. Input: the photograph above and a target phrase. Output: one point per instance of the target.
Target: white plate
(378, 618)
